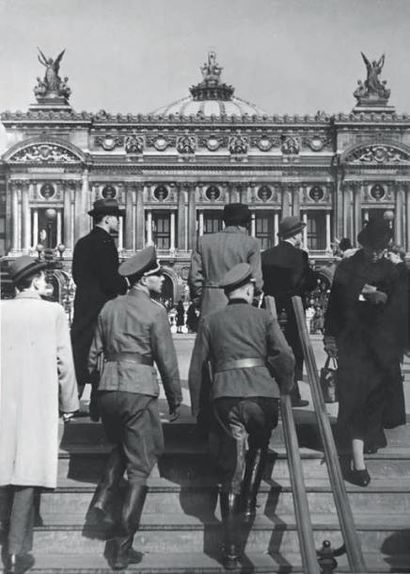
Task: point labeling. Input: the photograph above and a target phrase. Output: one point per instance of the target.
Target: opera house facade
(174, 169)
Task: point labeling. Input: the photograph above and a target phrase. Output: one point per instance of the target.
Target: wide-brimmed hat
(143, 263)
(24, 267)
(106, 207)
(236, 214)
(290, 226)
(376, 234)
(239, 275)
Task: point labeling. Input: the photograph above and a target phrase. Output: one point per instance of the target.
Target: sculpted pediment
(377, 154)
(44, 153)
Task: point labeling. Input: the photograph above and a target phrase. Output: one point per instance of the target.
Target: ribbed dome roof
(188, 106)
(211, 97)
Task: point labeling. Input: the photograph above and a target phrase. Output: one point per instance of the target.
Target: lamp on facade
(39, 249)
(388, 216)
(51, 215)
(61, 249)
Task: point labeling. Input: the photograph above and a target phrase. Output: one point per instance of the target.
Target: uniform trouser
(131, 421)
(19, 516)
(238, 421)
(292, 336)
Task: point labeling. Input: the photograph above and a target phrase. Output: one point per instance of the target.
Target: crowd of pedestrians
(242, 360)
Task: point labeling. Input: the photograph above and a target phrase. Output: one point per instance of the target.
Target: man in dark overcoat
(365, 328)
(216, 253)
(132, 334)
(95, 273)
(251, 361)
(286, 272)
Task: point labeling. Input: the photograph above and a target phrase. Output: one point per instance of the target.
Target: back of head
(237, 214)
(376, 235)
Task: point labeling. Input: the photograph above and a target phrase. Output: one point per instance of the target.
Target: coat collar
(233, 229)
(237, 301)
(28, 295)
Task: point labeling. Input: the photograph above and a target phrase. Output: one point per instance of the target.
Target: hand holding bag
(328, 376)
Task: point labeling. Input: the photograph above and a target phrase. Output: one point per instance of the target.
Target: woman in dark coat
(180, 316)
(363, 329)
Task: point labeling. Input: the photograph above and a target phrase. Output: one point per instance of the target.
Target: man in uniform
(244, 345)
(95, 273)
(216, 253)
(286, 272)
(133, 333)
(36, 381)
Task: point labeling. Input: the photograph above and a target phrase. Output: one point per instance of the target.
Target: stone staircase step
(167, 497)
(174, 534)
(204, 563)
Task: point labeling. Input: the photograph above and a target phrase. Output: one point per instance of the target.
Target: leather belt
(240, 364)
(134, 357)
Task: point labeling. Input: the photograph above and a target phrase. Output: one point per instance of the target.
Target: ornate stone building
(173, 170)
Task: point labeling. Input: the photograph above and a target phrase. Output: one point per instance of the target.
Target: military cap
(142, 264)
(290, 226)
(239, 275)
(376, 234)
(24, 267)
(236, 214)
(106, 207)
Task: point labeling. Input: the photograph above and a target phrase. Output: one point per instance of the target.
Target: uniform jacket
(37, 378)
(95, 273)
(134, 323)
(215, 255)
(241, 331)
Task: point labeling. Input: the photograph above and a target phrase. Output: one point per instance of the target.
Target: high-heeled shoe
(359, 477)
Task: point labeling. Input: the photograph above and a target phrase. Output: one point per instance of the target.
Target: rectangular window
(264, 228)
(161, 229)
(316, 230)
(212, 221)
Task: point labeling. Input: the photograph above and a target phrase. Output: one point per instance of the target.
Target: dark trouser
(19, 518)
(240, 420)
(292, 336)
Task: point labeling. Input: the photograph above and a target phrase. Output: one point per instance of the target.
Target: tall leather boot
(108, 485)
(255, 465)
(230, 509)
(130, 519)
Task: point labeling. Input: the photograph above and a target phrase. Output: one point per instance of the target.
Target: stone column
(305, 229)
(172, 230)
(25, 216)
(285, 202)
(398, 220)
(140, 219)
(296, 200)
(357, 211)
(253, 223)
(149, 226)
(181, 220)
(59, 227)
(129, 218)
(275, 227)
(191, 217)
(81, 205)
(35, 228)
(337, 203)
(328, 232)
(15, 216)
(67, 214)
(201, 223)
(347, 215)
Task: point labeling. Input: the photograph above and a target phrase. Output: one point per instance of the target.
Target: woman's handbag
(328, 376)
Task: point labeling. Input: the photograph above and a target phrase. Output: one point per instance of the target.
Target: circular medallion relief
(265, 144)
(213, 143)
(47, 191)
(160, 143)
(109, 143)
(161, 192)
(316, 143)
(109, 192)
(212, 193)
(316, 193)
(377, 192)
(264, 193)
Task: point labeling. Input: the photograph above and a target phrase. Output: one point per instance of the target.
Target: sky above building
(134, 56)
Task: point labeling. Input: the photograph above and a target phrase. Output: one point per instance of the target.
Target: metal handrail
(344, 511)
(304, 525)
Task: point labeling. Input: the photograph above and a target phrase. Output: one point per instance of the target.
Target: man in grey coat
(251, 361)
(132, 334)
(216, 253)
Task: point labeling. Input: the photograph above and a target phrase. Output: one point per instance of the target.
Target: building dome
(211, 97)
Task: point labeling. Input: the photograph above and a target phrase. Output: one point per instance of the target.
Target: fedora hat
(106, 207)
(24, 267)
(290, 226)
(376, 234)
(236, 214)
(143, 263)
(239, 275)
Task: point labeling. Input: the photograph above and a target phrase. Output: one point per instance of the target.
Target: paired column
(285, 202)
(398, 227)
(181, 220)
(139, 219)
(191, 217)
(357, 202)
(15, 219)
(129, 218)
(25, 216)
